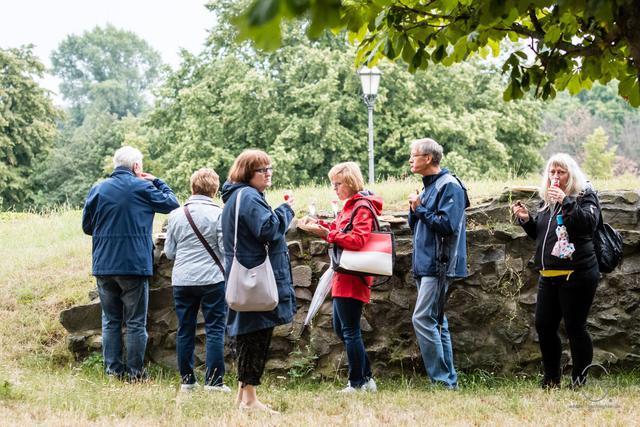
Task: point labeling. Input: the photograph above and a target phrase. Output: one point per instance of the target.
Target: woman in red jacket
(351, 292)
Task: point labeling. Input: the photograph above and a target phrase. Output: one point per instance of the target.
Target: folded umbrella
(442, 263)
(320, 294)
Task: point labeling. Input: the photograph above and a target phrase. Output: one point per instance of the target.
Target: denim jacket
(193, 265)
(441, 213)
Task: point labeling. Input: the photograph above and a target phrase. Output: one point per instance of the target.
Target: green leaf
(553, 35)
(266, 36)
(495, 47)
(297, 6)
(574, 85)
(513, 91)
(448, 5)
(634, 95)
(263, 11)
(388, 50)
(439, 53)
(408, 52)
(524, 82)
(417, 59)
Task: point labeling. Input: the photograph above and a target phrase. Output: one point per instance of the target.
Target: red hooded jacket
(349, 285)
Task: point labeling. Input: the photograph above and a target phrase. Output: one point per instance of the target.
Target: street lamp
(370, 79)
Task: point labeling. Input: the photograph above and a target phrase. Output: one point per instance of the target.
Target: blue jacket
(118, 213)
(258, 225)
(440, 213)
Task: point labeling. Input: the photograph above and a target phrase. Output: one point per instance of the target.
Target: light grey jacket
(193, 265)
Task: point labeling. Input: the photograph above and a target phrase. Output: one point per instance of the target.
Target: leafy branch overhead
(568, 44)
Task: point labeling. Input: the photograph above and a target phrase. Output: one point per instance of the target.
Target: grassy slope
(45, 267)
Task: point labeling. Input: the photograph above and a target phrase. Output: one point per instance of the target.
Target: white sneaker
(222, 388)
(370, 386)
(188, 387)
(349, 389)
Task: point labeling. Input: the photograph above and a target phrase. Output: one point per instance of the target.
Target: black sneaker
(548, 383)
(578, 382)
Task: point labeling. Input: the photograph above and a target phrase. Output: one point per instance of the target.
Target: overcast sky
(167, 25)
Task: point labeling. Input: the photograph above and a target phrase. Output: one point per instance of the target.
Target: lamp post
(370, 79)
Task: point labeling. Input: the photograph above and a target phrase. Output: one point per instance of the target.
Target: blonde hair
(245, 165)
(205, 181)
(350, 174)
(576, 182)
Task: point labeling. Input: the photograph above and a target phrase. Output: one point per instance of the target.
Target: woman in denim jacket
(198, 282)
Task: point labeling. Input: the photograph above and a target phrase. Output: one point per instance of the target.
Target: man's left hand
(414, 201)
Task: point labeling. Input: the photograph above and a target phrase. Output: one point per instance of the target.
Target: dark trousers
(252, 350)
(188, 300)
(346, 324)
(569, 300)
(124, 299)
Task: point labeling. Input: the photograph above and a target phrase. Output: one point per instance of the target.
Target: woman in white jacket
(198, 281)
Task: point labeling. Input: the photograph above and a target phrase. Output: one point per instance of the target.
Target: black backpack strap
(467, 203)
(202, 239)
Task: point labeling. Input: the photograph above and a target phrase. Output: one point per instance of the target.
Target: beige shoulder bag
(250, 289)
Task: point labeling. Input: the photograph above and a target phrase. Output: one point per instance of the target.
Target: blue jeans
(346, 324)
(124, 298)
(435, 347)
(187, 300)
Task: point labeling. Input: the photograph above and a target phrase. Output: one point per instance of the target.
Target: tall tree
(598, 160)
(79, 159)
(302, 105)
(111, 67)
(572, 43)
(27, 123)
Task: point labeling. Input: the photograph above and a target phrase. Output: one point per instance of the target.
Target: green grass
(45, 263)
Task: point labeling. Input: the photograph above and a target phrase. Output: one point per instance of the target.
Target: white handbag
(250, 289)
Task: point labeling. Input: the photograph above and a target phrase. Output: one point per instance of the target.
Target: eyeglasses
(264, 170)
(413, 156)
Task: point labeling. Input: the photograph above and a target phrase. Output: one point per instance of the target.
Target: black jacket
(580, 215)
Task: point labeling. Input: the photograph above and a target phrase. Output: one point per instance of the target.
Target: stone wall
(491, 312)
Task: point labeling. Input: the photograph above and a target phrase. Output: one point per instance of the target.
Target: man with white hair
(118, 214)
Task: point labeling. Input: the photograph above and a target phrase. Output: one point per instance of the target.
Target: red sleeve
(330, 225)
(358, 236)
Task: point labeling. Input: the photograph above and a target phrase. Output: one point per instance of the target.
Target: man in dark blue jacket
(438, 222)
(118, 213)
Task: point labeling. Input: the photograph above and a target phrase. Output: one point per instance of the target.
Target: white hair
(428, 146)
(127, 156)
(576, 181)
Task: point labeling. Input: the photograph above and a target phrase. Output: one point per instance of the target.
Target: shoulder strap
(235, 228)
(202, 239)
(467, 203)
(466, 195)
(366, 205)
